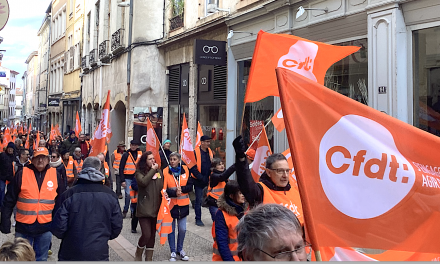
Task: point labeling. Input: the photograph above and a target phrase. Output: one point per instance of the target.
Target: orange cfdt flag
(186, 147)
(308, 58)
(278, 121)
(288, 156)
(78, 128)
(370, 178)
(199, 134)
(100, 135)
(153, 143)
(164, 220)
(37, 140)
(263, 151)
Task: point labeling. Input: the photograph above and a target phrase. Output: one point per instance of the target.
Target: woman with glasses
(271, 232)
(57, 162)
(231, 208)
(275, 185)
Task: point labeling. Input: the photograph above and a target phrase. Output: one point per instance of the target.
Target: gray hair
(77, 149)
(274, 158)
(92, 162)
(263, 223)
(175, 154)
(18, 141)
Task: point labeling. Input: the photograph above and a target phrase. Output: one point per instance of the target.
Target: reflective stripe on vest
(117, 160)
(130, 165)
(217, 190)
(231, 222)
(169, 182)
(199, 158)
(69, 168)
(133, 196)
(78, 166)
(33, 204)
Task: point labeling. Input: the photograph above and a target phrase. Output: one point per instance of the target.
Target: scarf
(56, 163)
(175, 171)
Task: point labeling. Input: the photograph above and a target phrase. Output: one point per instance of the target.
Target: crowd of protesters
(48, 188)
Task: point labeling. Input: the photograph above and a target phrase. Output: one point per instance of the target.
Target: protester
(231, 205)
(201, 174)
(84, 146)
(104, 169)
(69, 165)
(42, 143)
(57, 162)
(178, 185)
(77, 159)
(150, 181)
(133, 206)
(217, 181)
(6, 168)
(116, 161)
(87, 216)
(127, 170)
(273, 182)
(17, 250)
(165, 153)
(22, 161)
(18, 143)
(70, 143)
(36, 182)
(271, 232)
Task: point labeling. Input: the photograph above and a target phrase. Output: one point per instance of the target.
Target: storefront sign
(210, 52)
(54, 102)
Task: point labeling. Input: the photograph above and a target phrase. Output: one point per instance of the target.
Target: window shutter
(220, 82)
(174, 84)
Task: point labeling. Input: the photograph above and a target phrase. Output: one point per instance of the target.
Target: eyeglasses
(281, 171)
(302, 253)
(54, 157)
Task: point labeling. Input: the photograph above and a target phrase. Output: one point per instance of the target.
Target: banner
(371, 179)
(256, 126)
(263, 151)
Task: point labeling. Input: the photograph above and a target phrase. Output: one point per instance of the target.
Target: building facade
(58, 64)
(31, 87)
(19, 102)
(12, 96)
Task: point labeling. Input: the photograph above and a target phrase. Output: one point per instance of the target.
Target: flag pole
(258, 136)
(318, 255)
(164, 154)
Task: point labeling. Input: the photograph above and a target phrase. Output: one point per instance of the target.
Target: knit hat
(71, 132)
(166, 141)
(11, 145)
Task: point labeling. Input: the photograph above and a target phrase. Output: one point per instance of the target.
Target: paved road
(198, 241)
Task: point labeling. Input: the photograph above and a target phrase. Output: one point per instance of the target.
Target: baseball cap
(41, 151)
(251, 154)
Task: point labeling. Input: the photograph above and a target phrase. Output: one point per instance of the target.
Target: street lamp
(301, 10)
(123, 4)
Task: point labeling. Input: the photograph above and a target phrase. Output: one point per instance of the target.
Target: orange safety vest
(34, 204)
(231, 223)
(133, 196)
(217, 190)
(117, 161)
(199, 158)
(170, 182)
(78, 166)
(69, 168)
(106, 172)
(130, 166)
(289, 199)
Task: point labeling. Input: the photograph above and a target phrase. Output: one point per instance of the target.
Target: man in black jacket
(87, 216)
(36, 182)
(165, 154)
(6, 168)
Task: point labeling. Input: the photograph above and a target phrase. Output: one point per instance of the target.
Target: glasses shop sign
(54, 102)
(210, 52)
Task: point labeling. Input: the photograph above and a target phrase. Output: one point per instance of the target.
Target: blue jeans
(213, 211)
(2, 191)
(198, 203)
(127, 194)
(181, 225)
(40, 243)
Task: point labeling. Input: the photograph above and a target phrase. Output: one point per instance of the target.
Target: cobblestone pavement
(197, 245)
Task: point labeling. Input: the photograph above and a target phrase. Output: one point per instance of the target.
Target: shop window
(212, 119)
(426, 72)
(349, 76)
(255, 114)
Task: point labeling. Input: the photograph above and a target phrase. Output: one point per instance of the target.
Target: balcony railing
(103, 51)
(118, 41)
(84, 63)
(176, 22)
(92, 57)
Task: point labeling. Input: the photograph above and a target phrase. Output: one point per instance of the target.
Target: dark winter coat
(149, 193)
(87, 216)
(202, 176)
(252, 191)
(164, 161)
(6, 167)
(226, 206)
(217, 177)
(69, 145)
(179, 212)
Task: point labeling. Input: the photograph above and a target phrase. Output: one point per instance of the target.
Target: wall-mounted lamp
(302, 10)
(123, 4)
(231, 33)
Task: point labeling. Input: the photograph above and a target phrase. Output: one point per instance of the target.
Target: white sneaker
(173, 256)
(183, 255)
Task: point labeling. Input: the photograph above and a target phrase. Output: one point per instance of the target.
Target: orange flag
(199, 134)
(278, 121)
(7, 137)
(164, 220)
(263, 151)
(308, 58)
(153, 143)
(78, 128)
(53, 134)
(20, 129)
(57, 130)
(100, 136)
(27, 145)
(370, 178)
(186, 147)
(37, 140)
(288, 156)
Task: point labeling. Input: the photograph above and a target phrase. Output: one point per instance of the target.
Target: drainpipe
(130, 29)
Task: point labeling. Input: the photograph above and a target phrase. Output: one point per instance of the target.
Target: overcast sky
(20, 33)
